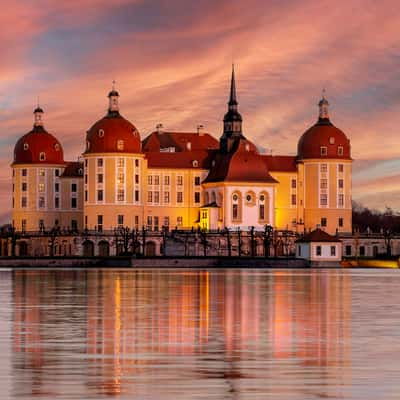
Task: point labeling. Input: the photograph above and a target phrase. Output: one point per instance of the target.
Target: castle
(183, 180)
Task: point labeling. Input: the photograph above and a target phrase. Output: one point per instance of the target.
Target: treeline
(374, 221)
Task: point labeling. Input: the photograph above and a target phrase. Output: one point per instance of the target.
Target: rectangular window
(362, 251)
(136, 163)
(197, 181)
(318, 251)
(294, 183)
(136, 220)
(179, 197)
(99, 195)
(149, 222)
(41, 224)
(156, 180)
(341, 200)
(348, 250)
(42, 172)
(99, 178)
(100, 223)
(197, 197)
(56, 202)
(73, 202)
(235, 212)
(261, 213)
(136, 195)
(86, 219)
(86, 179)
(149, 196)
(340, 183)
(120, 194)
(324, 200)
(137, 179)
(179, 180)
(156, 223)
(323, 222)
(179, 221)
(73, 187)
(42, 202)
(120, 178)
(86, 195)
(333, 251)
(166, 180)
(166, 221)
(41, 187)
(100, 162)
(24, 202)
(166, 197)
(156, 197)
(121, 162)
(86, 163)
(74, 225)
(57, 172)
(324, 151)
(56, 187)
(324, 168)
(24, 172)
(150, 180)
(340, 167)
(324, 183)
(24, 186)
(340, 222)
(294, 199)
(340, 150)
(120, 220)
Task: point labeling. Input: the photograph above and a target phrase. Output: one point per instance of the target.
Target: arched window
(26, 146)
(263, 207)
(101, 132)
(236, 207)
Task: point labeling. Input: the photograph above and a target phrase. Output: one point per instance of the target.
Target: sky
(171, 60)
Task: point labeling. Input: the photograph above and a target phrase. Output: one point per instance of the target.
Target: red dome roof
(113, 134)
(334, 143)
(38, 147)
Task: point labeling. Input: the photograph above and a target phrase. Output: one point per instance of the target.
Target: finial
(113, 84)
(323, 107)
(38, 113)
(113, 107)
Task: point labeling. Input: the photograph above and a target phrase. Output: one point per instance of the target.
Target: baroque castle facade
(184, 180)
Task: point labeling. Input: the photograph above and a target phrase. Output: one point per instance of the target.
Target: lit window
(41, 187)
(42, 172)
(332, 140)
(324, 151)
(179, 221)
(340, 150)
(121, 162)
(121, 194)
(195, 163)
(120, 145)
(120, 178)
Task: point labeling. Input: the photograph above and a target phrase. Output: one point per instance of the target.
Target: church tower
(232, 120)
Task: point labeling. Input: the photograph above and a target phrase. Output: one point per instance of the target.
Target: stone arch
(88, 248)
(104, 248)
(23, 248)
(150, 250)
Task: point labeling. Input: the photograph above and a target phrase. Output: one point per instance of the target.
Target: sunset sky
(172, 59)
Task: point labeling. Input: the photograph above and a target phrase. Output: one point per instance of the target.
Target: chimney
(159, 128)
(200, 130)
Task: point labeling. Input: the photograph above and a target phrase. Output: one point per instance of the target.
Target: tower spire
(113, 108)
(232, 97)
(323, 107)
(38, 115)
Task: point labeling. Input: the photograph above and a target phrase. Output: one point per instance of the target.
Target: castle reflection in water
(131, 332)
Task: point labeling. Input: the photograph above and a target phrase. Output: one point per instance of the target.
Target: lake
(200, 334)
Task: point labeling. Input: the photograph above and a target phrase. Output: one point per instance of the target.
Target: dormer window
(324, 151)
(120, 145)
(87, 145)
(195, 163)
(80, 171)
(332, 140)
(57, 147)
(42, 156)
(101, 132)
(340, 150)
(26, 146)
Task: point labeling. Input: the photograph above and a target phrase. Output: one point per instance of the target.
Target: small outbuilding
(319, 248)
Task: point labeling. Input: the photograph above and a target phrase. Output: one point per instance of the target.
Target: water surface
(192, 334)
